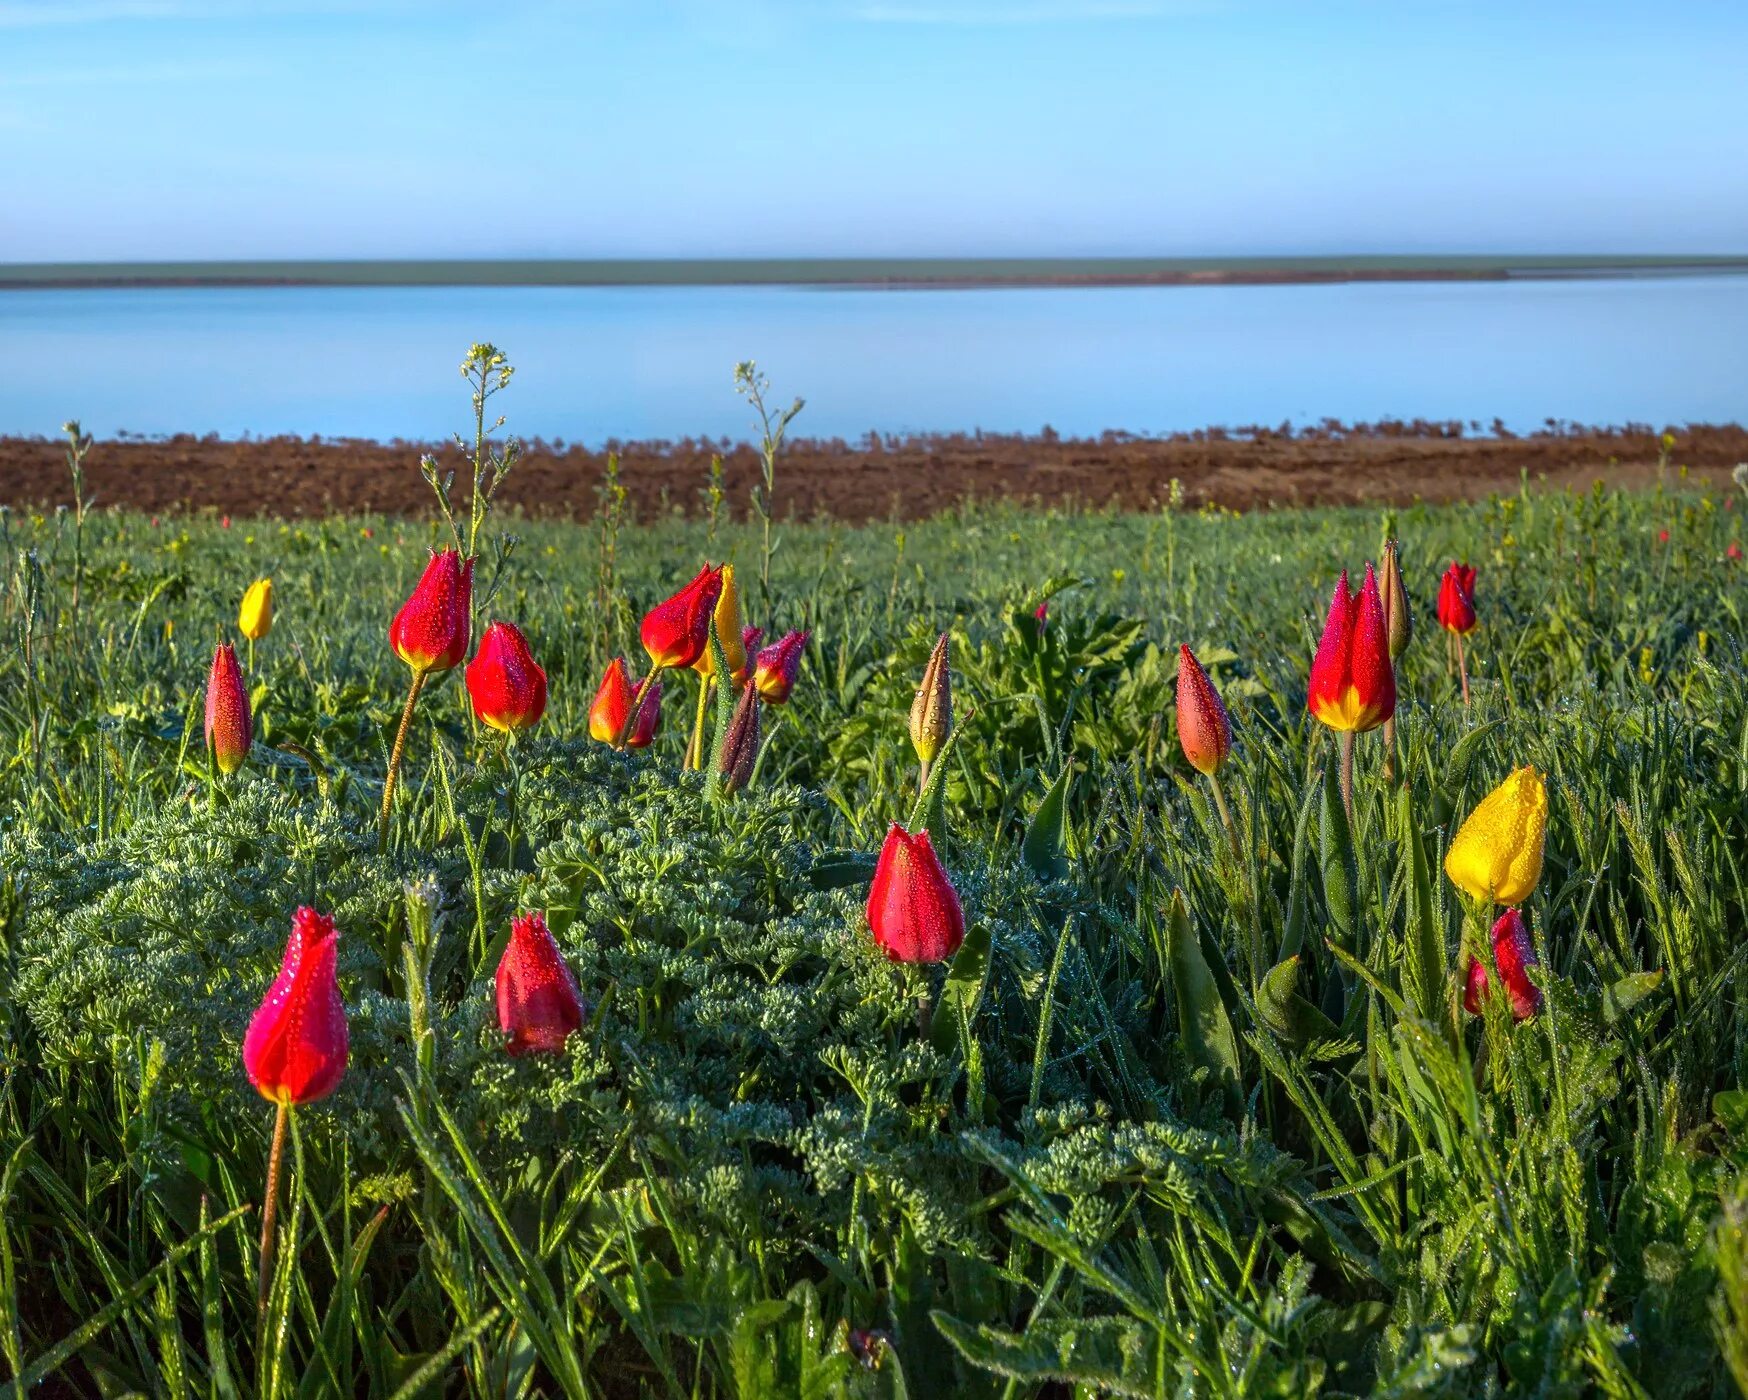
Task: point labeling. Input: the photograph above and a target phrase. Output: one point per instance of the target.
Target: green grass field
(1238, 1141)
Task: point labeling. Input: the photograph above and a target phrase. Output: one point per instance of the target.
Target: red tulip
(913, 911)
(1734, 552)
(1663, 537)
(434, 626)
(1512, 952)
(1353, 685)
(295, 1050)
(538, 1004)
(777, 666)
(750, 637)
(507, 686)
(230, 728)
(1202, 726)
(675, 633)
(1042, 616)
(1456, 599)
(649, 719)
(612, 704)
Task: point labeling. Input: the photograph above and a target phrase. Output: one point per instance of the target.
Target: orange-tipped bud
(538, 1002)
(1202, 725)
(1398, 621)
(931, 713)
(434, 626)
(676, 633)
(740, 746)
(255, 613)
(729, 630)
(1456, 599)
(612, 703)
(1353, 684)
(649, 719)
(1512, 954)
(913, 909)
(505, 683)
(296, 1046)
(230, 728)
(777, 666)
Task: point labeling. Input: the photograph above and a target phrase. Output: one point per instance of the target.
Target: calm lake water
(596, 363)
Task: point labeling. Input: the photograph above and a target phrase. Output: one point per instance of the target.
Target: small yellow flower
(1497, 854)
(255, 616)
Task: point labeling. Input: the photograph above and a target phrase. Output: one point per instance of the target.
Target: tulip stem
(695, 749)
(394, 761)
(636, 705)
(1462, 668)
(1347, 747)
(1225, 813)
(270, 1208)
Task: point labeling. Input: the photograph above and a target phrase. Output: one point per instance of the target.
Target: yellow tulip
(728, 631)
(255, 616)
(1497, 854)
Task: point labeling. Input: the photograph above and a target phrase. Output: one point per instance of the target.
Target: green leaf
(963, 992)
(1202, 1019)
(838, 870)
(1289, 1015)
(1298, 896)
(1427, 969)
(1341, 877)
(1045, 847)
(1621, 997)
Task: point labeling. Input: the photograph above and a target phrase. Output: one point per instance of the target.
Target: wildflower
(1456, 599)
(296, 1045)
(505, 683)
(750, 637)
(675, 633)
(1512, 954)
(1042, 616)
(255, 615)
(1203, 728)
(1663, 537)
(931, 712)
(538, 1002)
(1497, 854)
(729, 631)
(434, 625)
(777, 666)
(612, 703)
(1353, 686)
(913, 911)
(225, 522)
(230, 728)
(1398, 621)
(649, 718)
(740, 745)
(1734, 552)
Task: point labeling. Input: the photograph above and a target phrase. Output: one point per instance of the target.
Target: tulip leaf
(962, 993)
(1335, 848)
(929, 813)
(1202, 1020)
(1621, 997)
(1427, 967)
(1462, 755)
(1045, 847)
(724, 711)
(1289, 1015)
(1298, 900)
(839, 870)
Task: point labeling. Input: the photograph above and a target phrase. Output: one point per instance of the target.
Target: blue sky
(297, 128)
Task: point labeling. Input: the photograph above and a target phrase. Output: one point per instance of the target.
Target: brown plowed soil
(879, 478)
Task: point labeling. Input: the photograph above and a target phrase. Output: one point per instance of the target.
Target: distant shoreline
(852, 273)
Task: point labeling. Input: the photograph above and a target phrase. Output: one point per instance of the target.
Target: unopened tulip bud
(612, 704)
(255, 614)
(677, 632)
(931, 713)
(913, 909)
(1456, 599)
(729, 632)
(1398, 621)
(1513, 952)
(505, 683)
(740, 746)
(296, 1046)
(777, 666)
(1202, 724)
(230, 728)
(1497, 853)
(649, 718)
(538, 1002)
(434, 626)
